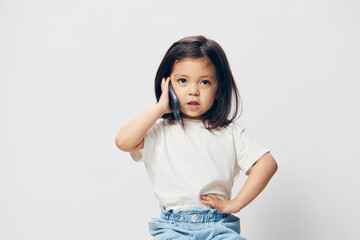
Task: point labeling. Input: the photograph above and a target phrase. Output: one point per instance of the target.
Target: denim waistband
(193, 215)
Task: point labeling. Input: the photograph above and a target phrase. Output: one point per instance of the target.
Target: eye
(182, 80)
(205, 82)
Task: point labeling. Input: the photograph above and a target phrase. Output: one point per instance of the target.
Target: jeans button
(194, 218)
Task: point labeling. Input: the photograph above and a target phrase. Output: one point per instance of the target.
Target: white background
(74, 72)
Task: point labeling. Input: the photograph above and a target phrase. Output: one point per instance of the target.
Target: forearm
(132, 133)
(259, 177)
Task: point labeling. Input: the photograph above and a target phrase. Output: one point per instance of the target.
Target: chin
(192, 116)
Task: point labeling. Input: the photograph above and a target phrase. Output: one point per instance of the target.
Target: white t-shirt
(185, 163)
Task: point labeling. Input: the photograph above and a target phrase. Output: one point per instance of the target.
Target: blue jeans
(195, 224)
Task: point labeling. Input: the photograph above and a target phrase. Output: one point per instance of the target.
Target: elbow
(126, 144)
(271, 163)
(275, 166)
(121, 144)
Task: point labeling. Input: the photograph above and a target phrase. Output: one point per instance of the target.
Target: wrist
(240, 204)
(161, 108)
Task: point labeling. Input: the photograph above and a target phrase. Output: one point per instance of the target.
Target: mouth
(193, 103)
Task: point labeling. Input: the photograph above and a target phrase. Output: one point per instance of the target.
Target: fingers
(162, 84)
(224, 206)
(210, 197)
(164, 98)
(211, 200)
(165, 83)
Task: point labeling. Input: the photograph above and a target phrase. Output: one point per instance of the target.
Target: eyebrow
(202, 76)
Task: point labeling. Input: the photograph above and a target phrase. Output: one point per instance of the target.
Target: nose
(194, 90)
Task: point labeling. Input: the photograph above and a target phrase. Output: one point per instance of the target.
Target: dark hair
(217, 117)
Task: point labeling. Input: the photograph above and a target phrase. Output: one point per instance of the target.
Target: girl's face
(195, 84)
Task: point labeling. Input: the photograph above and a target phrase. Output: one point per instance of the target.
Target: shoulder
(234, 128)
(159, 123)
(159, 126)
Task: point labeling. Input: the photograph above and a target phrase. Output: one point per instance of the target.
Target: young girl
(192, 163)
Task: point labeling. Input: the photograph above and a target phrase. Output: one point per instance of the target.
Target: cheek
(180, 95)
(212, 94)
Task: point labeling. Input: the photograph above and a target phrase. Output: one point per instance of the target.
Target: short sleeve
(145, 153)
(247, 150)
